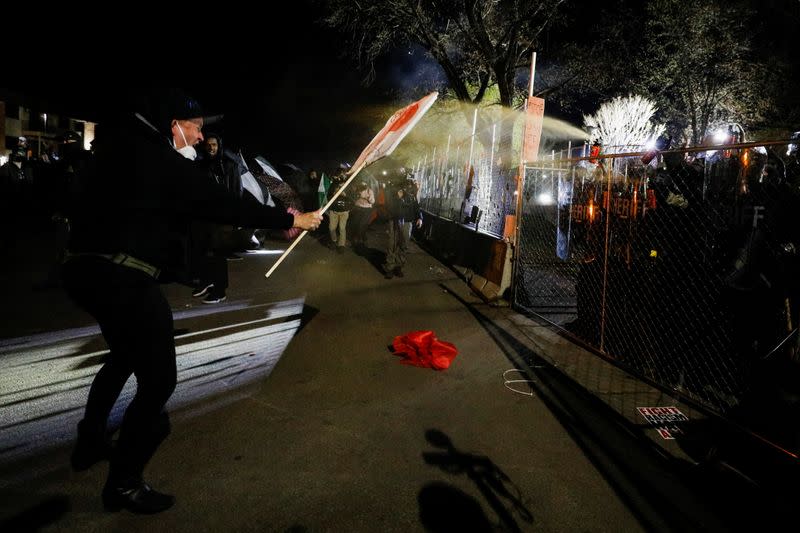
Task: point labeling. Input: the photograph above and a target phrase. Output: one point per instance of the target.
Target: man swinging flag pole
(382, 145)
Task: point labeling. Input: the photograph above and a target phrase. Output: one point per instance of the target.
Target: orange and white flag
(395, 129)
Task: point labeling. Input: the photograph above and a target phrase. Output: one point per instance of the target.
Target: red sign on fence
(534, 114)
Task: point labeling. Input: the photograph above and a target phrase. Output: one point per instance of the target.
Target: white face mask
(186, 151)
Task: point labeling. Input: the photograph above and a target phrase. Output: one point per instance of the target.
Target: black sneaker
(398, 272)
(202, 290)
(139, 498)
(212, 298)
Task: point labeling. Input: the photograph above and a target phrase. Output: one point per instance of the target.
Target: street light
(44, 119)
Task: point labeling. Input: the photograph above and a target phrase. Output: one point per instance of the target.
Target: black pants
(136, 321)
(207, 262)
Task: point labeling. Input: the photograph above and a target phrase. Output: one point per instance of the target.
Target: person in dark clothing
(404, 212)
(16, 185)
(208, 249)
(121, 247)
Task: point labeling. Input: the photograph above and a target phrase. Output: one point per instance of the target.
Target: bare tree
(477, 43)
(697, 65)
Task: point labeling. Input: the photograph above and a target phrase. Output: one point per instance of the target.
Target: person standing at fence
(404, 213)
(119, 253)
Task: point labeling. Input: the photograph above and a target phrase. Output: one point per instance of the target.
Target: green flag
(322, 191)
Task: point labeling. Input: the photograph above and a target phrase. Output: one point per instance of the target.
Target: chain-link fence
(685, 270)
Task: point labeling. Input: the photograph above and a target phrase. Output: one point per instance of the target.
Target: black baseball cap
(162, 106)
(181, 106)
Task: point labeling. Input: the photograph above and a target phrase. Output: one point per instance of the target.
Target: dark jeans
(359, 222)
(397, 249)
(136, 321)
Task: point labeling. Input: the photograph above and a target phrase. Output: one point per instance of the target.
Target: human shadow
(374, 257)
(502, 495)
(444, 508)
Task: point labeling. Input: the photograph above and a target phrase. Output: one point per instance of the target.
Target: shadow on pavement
(375, 257)
(664, 493)
(39, 515)
(444, 508)
(502, 495)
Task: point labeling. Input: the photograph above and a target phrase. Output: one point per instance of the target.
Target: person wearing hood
(208, 248)
(220, 164)
(120, 251)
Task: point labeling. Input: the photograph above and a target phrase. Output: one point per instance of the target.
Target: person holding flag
(122, 247)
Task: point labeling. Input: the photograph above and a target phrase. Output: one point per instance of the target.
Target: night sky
(279, 79)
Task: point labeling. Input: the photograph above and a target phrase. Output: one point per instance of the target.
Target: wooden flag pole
(381, 145)
(321, 212)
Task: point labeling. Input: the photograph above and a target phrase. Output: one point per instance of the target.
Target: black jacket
(224, 167)
(140, 200)
(405, 209)
(343, 202)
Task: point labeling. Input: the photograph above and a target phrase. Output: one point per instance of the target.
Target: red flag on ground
(395, 129)
(422, 348)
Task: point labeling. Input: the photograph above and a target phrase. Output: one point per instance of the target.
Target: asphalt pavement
(292, 413)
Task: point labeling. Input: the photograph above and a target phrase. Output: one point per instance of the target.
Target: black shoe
(340, 249)
(139, 498)
(90, 449)
(387, 274)
(398, 272)
(202, 290)
(212, 298)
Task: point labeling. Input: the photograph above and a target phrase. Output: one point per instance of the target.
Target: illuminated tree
(623, 124)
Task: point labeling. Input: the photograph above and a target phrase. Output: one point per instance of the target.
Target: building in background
(42, 122)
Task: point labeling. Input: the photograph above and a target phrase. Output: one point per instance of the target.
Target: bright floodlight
(544, 198)
(720, 136)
